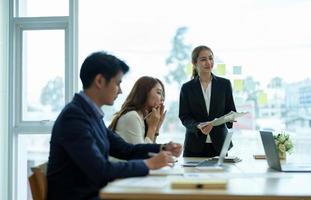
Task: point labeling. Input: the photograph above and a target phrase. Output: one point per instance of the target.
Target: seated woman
(142, 113)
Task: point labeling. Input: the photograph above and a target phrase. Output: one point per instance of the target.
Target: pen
(147, 115)
(151, 154)
(150, 113)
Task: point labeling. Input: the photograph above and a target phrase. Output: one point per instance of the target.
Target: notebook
(273, 156)
(213, 163)
(184, 183)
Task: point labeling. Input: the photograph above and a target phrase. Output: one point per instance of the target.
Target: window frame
(17, 126)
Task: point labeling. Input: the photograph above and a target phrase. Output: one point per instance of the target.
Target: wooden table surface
(249, 179)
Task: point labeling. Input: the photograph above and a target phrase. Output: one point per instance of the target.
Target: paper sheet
(142, 182)
(230, 117)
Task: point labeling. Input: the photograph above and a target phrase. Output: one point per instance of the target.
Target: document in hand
(230, 117)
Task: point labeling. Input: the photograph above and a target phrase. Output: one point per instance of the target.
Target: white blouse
(207, 98)
(131, 128)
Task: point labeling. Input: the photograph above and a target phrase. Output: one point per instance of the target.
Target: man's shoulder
(70, 113)
(72, 108)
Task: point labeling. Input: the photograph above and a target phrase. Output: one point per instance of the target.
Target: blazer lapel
(213, 95)
(98, 123)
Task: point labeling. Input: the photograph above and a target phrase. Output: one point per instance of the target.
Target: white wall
(4, 27)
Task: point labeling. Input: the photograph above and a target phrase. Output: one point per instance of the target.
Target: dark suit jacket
(80, 144)
(192, 111)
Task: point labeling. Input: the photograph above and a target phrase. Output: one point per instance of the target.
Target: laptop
(273, 159)
(213, 163)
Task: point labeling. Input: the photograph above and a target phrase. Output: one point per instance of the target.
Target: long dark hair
(194, 58)
(137, 98)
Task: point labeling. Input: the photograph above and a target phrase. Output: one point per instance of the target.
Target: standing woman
(142, 113)
(204, 98)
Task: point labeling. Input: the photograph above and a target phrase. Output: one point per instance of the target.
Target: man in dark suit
(81, 143)
(202, 99)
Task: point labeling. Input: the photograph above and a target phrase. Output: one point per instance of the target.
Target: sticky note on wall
(237, 69)
(189, 68)
(262, 98)
(238, 85)
(221, 69)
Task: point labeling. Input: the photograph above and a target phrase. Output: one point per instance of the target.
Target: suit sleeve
(185, 114)
(126, 151)
(230, 106)
(82, 148)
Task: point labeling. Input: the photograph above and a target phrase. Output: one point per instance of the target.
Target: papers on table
(152, 182)
(229, 159)
(165, 171)
(214, 168)
(230, 117)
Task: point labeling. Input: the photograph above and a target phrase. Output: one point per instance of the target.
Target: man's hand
(162, 159)
(174, 148)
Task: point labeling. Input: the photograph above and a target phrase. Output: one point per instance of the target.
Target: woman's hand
(206, 128)
(153, 118)
(162, 117)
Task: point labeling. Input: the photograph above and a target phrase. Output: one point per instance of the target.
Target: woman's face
(205, 62)
(155, 97)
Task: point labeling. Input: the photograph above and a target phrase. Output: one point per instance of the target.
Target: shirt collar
(212, 77)
(98, 111)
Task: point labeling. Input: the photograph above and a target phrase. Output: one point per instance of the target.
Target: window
(258, 46)
(43, 51)
(46, 8)
(265, 60)
(42, 79)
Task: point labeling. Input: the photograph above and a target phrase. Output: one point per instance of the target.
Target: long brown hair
(194, 58)
(137, 98)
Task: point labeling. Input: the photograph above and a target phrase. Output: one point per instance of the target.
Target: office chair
(38, 182)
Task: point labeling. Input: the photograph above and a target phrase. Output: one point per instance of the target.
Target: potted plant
(283, 144)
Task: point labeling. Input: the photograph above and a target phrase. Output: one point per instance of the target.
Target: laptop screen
(270, 150)
(225, 148)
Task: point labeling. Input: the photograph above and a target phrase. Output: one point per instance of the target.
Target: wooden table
(249, 179)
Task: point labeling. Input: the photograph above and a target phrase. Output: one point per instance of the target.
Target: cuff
(163, 147)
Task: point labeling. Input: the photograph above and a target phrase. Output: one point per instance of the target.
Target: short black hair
(101, 63)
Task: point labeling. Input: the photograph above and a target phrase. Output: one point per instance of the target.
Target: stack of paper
(230, 117)
(165, 171)
(142, 182)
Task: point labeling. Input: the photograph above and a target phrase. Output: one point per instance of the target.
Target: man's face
(110, 90)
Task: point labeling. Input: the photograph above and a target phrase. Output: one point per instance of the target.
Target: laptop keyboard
(207, 163)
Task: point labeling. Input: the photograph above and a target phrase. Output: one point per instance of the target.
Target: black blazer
(80, 144)
(192, 111)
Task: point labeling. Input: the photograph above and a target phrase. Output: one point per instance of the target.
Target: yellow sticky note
(221, 69)
(262, 98)
(238, 85)
(189, 68)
